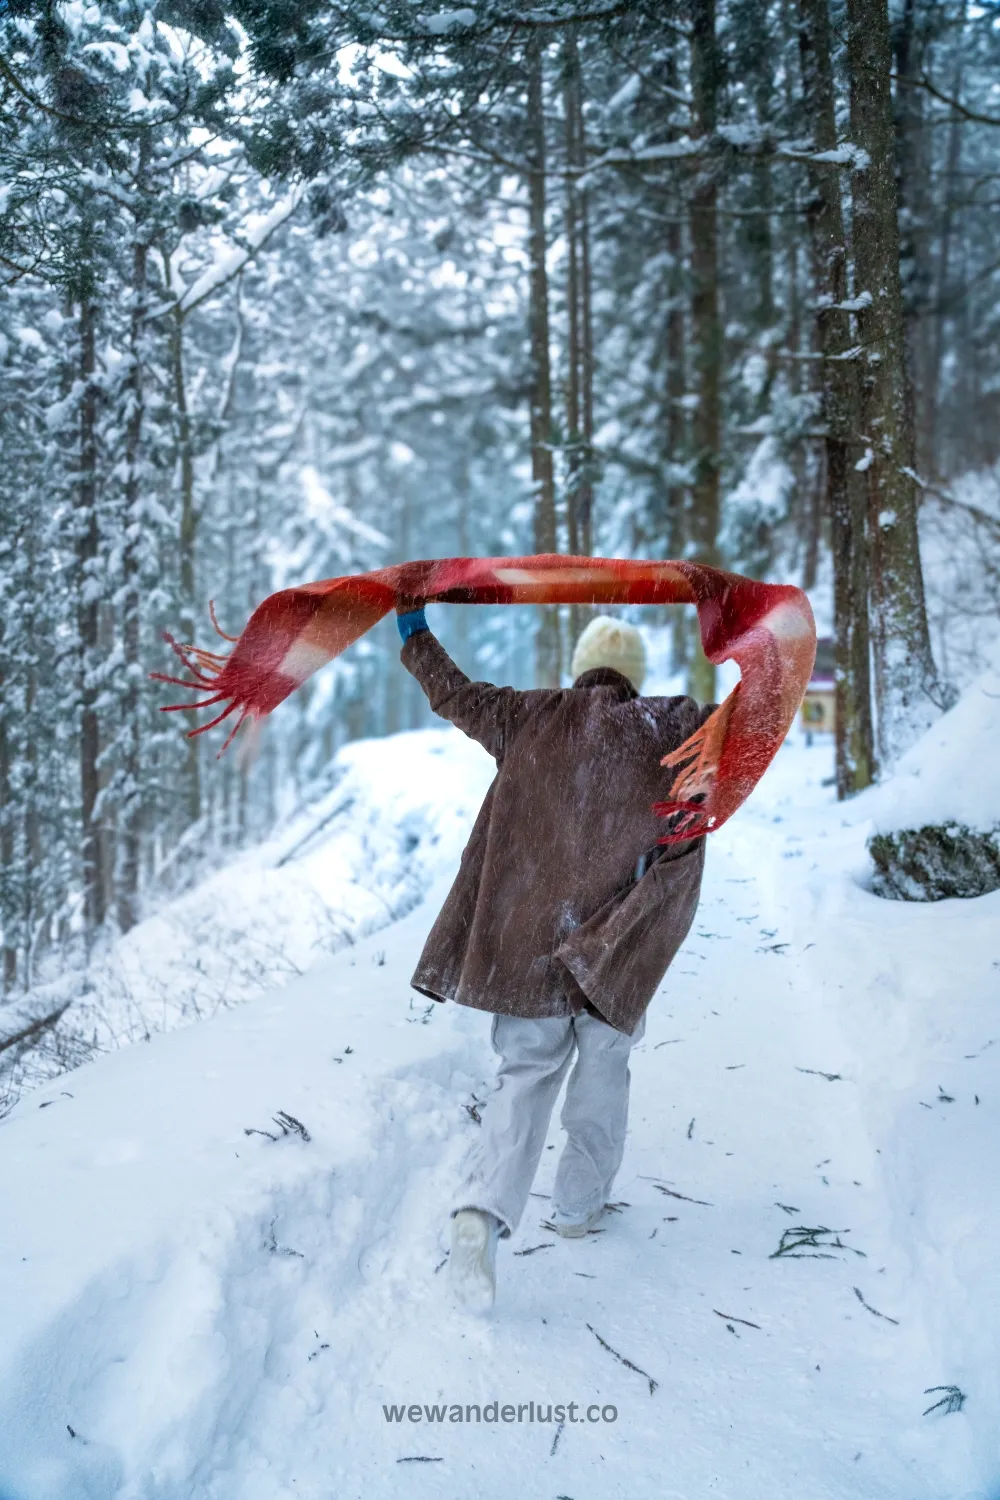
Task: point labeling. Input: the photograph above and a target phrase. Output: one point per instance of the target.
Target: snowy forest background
(295, 290)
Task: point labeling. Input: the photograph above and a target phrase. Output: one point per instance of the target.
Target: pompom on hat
(607, 642)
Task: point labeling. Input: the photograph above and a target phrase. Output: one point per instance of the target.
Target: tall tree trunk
(571, 86)
(914, 208)
(580, 360)
(585, 498)
(131, 800)
(580, 382)
(759, 48)
(87, 624)
(8, 816)
(675, 389)
(905, 679)
(846, 489)
(548, 664)
(187, 539)
(669, 525)
(706, 424)
(946, 240)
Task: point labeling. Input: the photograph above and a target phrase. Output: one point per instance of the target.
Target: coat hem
(490, 1004)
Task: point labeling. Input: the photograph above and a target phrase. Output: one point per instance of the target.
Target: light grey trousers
(534, 1058)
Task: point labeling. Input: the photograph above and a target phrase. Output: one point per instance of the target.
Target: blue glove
(411, 623)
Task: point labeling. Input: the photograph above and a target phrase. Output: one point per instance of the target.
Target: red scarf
(766, 628)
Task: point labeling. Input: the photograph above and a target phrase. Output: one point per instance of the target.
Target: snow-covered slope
(952, 774)
(355, 857)
(192, 1312)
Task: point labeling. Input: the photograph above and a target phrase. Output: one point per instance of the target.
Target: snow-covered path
(191, 1312)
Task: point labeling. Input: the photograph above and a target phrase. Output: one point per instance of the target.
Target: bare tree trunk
(571, 85)
(946, 238)
(759, 47)
(847, 497)
(87, 623)
(914, 208)
(187, 541)
(706, 326)
(548, 665)
(669, 523)
(585, 498)
(580, 383)
(580, 360)
(906, 685)
(675, 389)
(807, 465)
(131, 799)
(8, 814)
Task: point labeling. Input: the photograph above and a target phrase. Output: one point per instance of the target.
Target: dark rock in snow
(935, 862)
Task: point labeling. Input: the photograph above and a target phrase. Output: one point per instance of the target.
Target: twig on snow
(623, 1361)
(952, 1400)
(555, 1440)
(818, 1073)
(548, 1224)
(683, 1196)
(276, 1249)
(731, 1318)
(869, 1308)
(286, 1123)
(530, 1250)
(801, 1243)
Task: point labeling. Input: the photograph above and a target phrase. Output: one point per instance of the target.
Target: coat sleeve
(491, 715)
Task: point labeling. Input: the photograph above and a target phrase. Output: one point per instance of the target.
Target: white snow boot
(574, 1229)
(472, 1268)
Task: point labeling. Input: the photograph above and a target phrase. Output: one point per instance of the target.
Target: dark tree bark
(669, 521)
(131, 805)
(757, 58)
(548, 664)
(915, 219)
(579, 361)
(944, 264)
(706, 425)
(187, 540)
(906, 687)
(571, 90)
(88, 624)
(675, 388)
(585, 498)
(846, 490)
(8, 815)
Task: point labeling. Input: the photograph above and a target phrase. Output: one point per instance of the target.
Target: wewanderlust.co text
(493, 1411)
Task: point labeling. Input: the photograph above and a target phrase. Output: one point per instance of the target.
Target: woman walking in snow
(563, 919)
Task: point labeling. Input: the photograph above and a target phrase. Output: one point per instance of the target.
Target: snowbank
(397, 811)
(952, 774)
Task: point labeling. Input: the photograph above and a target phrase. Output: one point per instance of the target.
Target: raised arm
(491, 715)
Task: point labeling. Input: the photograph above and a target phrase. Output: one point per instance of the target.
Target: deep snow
(190, 1312)
(952, 774)
(356, 855)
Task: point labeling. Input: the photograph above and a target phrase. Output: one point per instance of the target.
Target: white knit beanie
(611, 643)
